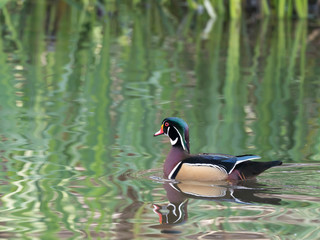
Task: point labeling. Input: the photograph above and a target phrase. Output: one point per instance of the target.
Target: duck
(206, 167)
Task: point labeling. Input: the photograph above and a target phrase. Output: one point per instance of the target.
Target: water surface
(83, 92)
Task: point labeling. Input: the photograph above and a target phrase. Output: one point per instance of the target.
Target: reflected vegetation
(82, 92)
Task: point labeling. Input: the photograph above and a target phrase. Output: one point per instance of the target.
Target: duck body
(183, 166)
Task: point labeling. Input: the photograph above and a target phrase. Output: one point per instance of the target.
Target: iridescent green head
(177, 130)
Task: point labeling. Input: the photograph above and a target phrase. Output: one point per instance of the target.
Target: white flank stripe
(173, 170)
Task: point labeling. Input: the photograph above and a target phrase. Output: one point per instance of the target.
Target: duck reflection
(178, 194)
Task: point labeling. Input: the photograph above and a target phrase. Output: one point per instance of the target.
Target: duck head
(178, 132)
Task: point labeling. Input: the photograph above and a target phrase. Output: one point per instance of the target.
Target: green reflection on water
(82, 94)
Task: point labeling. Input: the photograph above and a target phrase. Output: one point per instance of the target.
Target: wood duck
(182, 165)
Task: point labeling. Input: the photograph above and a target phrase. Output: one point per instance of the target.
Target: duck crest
(178, 132)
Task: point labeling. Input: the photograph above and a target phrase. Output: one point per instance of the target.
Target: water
(82, 94)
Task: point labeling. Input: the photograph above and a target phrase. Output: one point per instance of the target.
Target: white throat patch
(173, 142)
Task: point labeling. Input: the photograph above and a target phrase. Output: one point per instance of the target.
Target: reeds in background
(264, 8)
(232, 9)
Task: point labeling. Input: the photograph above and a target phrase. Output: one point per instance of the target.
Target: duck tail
(251, 169)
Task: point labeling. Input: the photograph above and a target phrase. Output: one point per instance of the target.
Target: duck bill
(160, 132)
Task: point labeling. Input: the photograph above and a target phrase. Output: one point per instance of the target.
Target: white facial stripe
(173, 142)
(182, 142)
(167, 131)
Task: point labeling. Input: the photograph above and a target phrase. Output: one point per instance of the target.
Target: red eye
(166, 124)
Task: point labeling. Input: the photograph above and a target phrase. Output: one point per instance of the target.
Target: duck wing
(224, 161)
